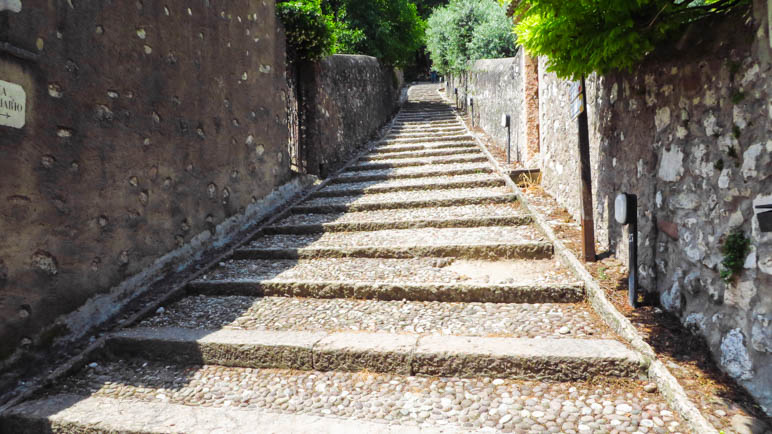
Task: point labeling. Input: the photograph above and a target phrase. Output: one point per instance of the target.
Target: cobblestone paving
(422, 171)
(417, 270)
(407, 214)
(403, 237)
(410, 195)
(545, 320)
(429, 134)
(506, 405)
(415, 183)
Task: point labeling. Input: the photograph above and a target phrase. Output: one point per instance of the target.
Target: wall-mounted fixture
(470, 102)
(505, 121)
(626, 213)
(764, 215)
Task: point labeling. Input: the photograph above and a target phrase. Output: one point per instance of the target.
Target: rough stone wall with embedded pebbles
(149, 126)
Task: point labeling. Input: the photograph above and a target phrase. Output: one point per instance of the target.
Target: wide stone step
(407, 354)
(471, 243)
(428, 161)
(406, 218)
(520, 320)
(137, 396)
(413, 172)
(425, 118)
(426, 130)
(443, 138)
(391, 149)
(406, 199)
(423, 184)
(420, 154)
(417, 279)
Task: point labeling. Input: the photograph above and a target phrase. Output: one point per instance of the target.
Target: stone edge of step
(440, 292)
(657, 371)
(483, 199)
(405, 354)
(430, 161)
(357, 176)
(75, 412)
(375, 225)
(446, 185)
(528, 250)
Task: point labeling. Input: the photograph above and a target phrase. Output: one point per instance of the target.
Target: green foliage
(735, 249)
(585, 36)
(310, 33)
(468, 30)
(393, 31)
(390, 30)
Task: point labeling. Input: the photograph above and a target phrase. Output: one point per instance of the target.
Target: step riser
(416, 224)
(396, 149)
(466, 139)
(427, 174)
(396, 165)
(422, 154)
(327, 209)
(376, 352)
(85, 415)
(426, 187)
(459, 293)
(489, 252)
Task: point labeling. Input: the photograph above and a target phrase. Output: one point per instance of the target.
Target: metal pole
(588, 225)
(509, 143)
(632, 284)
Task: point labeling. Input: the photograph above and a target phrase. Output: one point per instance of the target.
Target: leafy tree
(585, 36)
(310, 33)
(390, 30)
(465, 31)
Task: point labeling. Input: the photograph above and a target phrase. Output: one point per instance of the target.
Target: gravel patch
(520, 320)
(409, 195)
(472, 403)
(403, 238)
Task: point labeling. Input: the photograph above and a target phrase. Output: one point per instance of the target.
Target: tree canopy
(468, 30)
(390, 30)
(585, 36)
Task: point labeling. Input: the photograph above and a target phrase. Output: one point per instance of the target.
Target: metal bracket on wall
(765, 217)
(15, 51)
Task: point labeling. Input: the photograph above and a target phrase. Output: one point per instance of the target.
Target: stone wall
(500, 87)
(689, 133)
(152, 129)
(345, 99)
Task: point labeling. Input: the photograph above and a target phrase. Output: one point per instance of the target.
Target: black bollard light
(471, 109)
(505, 124)
(626, 213)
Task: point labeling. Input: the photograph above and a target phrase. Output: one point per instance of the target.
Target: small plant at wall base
(735, 249)
(584, 36)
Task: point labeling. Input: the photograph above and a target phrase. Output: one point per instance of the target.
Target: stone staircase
(409, 294)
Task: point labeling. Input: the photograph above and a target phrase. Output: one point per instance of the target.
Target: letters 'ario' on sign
(577, 107)
(13, 105)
